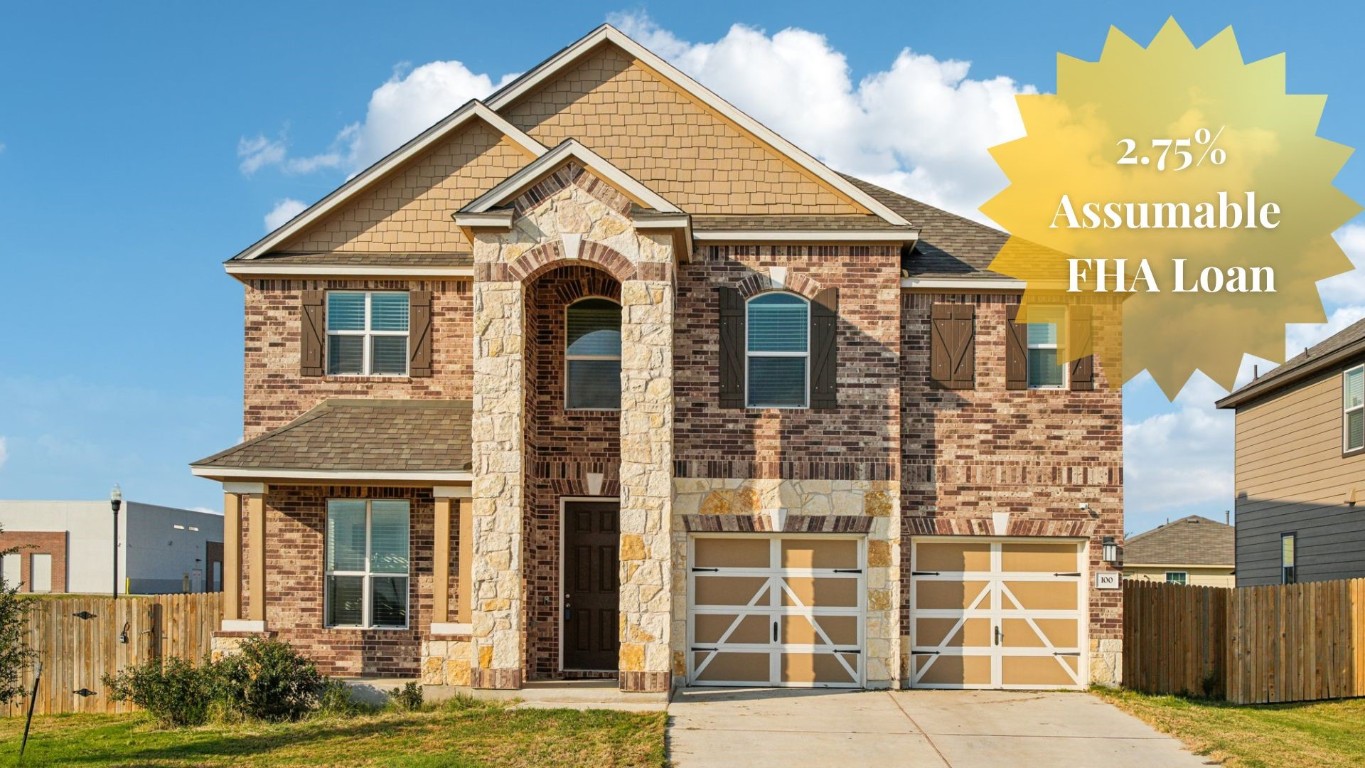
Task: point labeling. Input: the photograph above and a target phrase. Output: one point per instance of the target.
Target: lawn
(1316, 733)
(457, 734)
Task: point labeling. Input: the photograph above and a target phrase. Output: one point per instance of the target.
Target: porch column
(451, 502)
(232, 557)
(499, 438)
(255, 513)
(243, 500)
(464, 584)
(646, 575)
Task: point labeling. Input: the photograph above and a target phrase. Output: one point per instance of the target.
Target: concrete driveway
(957, 729)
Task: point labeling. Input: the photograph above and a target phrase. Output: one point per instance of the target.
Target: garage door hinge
(1067, 653)
(847, 650)
(848, 570)
(924, 573)
(707, 570)
(696, 648)
(1077, 574)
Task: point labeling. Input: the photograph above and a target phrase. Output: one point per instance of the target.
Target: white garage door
(776, 610)
(993, 613)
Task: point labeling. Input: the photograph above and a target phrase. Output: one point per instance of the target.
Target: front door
(591, 536)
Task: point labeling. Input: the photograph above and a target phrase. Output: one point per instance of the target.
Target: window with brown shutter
(952, 346)
(312, 334)
(1016, 350)
(731, 348)
(1081, 337)
(824, 377)
(419, 328)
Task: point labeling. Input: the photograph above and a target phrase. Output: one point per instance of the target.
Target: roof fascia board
(377, 171)
(248, 269)
(606, 32)
(219, 473)
(953, 284)
(1258, 389)
(570, 148)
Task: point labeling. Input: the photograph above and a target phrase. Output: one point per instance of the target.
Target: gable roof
(369, 439)
(606, 33)
(569, 149)
(471, 110)
(1191, 540)
(1336, 349)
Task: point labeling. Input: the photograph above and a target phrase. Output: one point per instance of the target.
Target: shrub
(269, 680)
(337, 699)
(14, 654)
(408, 698)
(176, 693)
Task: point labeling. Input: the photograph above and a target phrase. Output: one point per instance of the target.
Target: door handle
(568, 608)
(999, 636)
(774, 630)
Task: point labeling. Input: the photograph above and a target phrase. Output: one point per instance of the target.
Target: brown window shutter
(731, 348)
(824, 349)
(1081, 337)
(1016, 350)
(312, 333)
(419, 333)
(952, 346)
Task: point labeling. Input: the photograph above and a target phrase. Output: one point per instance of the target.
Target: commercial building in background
(68, 546)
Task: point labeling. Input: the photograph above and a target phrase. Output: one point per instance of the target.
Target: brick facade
(30, 543)
(276, 392)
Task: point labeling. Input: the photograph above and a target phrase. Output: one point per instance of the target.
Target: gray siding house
(1300, 466)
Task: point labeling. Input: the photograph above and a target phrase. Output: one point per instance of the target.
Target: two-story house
(1300, 466)
(600, 378)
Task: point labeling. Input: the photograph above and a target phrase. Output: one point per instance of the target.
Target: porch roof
(388, 438)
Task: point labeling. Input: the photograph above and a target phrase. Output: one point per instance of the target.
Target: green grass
(1318, 733)
(458, 734)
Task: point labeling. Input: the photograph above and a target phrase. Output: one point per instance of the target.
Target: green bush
(176, 693)
(406, 699)
(268, 680)
(337, 700)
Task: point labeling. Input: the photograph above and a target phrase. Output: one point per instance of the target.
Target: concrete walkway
(938, 729)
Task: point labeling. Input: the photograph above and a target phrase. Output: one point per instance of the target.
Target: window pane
(777, 382)
(1355, 389)
(389, 601)
(594, 328)
(1355, 430)
(344, 600)
(778, 322)
(345, 535)
(1043, 370)
(1175, 577)
(345, 311)
(389, 354)
(1042, 333)
(594, 384)
(388, 311)
(1287, 551)
(389, 537)
(345, 354)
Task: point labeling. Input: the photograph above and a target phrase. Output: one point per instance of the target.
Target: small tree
(13, 653)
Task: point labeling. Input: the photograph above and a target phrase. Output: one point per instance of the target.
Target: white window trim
(1184, 577)
(1028, 349)
(365, 353)
(805, 400)
(568, 357)
(1347, 411)
(367, 581)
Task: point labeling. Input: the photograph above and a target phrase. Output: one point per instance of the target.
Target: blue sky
(143, 144)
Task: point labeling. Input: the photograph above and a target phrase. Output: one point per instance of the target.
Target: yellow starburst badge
(1179, 198)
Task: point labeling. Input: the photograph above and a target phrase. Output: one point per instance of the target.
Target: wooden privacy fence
(80, 639)
(1250, 645)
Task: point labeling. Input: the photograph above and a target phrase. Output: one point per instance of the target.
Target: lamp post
(116, 501)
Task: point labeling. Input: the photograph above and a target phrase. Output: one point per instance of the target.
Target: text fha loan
(1115, 276)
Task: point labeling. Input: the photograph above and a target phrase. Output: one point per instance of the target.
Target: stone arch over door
(549, 255)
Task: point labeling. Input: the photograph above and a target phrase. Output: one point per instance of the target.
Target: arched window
(777, 351)
(592, 355)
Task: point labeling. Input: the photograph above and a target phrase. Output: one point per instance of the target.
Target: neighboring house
(1300, 466)
(599, 377)
(68, 546)
(1193, 550)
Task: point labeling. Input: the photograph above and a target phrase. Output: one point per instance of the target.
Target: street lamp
(116, 501)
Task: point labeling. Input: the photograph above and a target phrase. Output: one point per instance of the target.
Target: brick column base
(646, 682)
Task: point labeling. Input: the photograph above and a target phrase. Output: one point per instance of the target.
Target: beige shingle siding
(410, 210)
(693, 157)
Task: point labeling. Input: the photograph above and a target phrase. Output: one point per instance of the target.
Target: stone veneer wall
(275, 392)
(296, 524)
(1036, 454)
(571, 215)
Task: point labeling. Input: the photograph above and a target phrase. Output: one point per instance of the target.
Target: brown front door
(591, 535)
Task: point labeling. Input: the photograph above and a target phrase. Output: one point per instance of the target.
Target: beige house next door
(997, 613)
(775, 610)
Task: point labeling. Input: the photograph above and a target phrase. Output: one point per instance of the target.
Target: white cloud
(1180, 458)
(283, 211)
(259, 152)
(4, 452)
(921, 126)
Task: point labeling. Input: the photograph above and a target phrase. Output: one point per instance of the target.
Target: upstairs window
(777, 351)
(367, 333)
(1288, 574)
(1353, 409)
(367, 563)
(592, 355)
(1045, 371)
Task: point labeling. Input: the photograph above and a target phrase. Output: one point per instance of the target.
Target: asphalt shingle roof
(1300, 363)
(363, 435)
(334, 258)
(1192, 540)
(759, 223)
